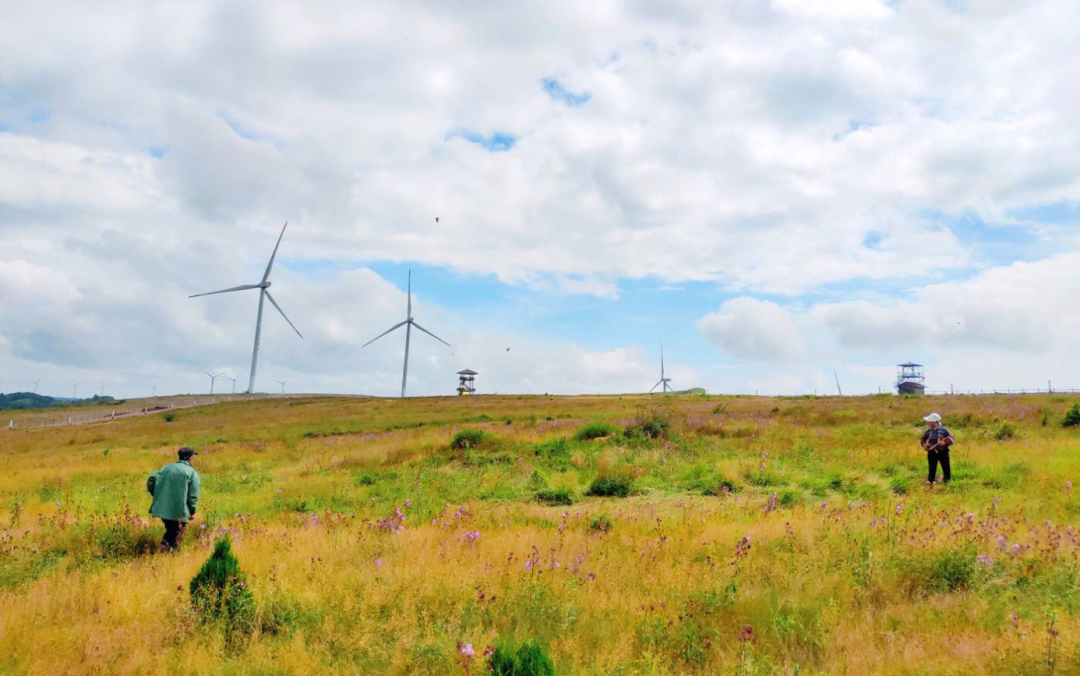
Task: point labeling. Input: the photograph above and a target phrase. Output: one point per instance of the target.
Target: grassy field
(623, 535)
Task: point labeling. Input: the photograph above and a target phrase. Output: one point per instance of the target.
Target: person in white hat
(936, 440)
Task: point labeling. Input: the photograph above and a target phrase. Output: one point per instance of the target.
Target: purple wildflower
(467, 650)
(985, 559)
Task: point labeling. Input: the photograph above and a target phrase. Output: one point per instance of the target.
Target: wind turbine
(282, 383)
(153, 390)
(35, 384)
(264, 293)
(838, 390)
(213, 378)
(75, 390)
(408, 324)
(663, 381)
(233, 382)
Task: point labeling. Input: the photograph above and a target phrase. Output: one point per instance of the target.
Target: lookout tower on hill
(466, 379)
(910, 379)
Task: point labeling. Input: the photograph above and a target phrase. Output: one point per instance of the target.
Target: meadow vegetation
(550, 535)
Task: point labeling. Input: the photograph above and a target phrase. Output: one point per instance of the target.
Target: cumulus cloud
(766, 148)
(1012, 326)
(749, 328)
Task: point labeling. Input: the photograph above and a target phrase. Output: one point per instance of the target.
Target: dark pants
(174, 533)
(935, 457)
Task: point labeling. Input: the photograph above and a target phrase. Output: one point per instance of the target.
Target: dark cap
(185, 453)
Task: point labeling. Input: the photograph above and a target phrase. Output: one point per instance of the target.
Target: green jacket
(175, 488)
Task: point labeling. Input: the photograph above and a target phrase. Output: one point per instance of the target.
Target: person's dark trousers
(174, 533)
(933, 459)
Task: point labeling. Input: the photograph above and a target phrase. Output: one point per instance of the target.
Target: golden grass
(882, 579)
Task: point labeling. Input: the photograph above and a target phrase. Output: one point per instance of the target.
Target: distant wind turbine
(35, 385)
(264, 293)
(153, 390)
(408, 324)
(213, 378)
(282, 383)
(75, 390)
(233, 382)
(838, 390)
(663, 381)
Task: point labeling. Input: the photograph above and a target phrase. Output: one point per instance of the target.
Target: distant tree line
(22, 401)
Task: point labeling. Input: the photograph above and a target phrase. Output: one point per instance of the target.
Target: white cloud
(753, 145)
(749, 328)
(1012, 326)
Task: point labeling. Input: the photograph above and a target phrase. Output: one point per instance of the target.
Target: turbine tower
(663, 381)
(837, 377)
(264, 293)
(213, 378)
(408, 324)
(233, 380)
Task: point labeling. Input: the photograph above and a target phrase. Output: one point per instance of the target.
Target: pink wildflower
(467, 650)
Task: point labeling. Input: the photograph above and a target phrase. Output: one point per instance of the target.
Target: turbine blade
(395, 327)
(235, 288)
(266, 275)
(655, 386)
(432, 335)
(274, 303)
(408, 314)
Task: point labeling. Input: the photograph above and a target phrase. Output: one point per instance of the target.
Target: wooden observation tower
(466, 379)
(910, 379)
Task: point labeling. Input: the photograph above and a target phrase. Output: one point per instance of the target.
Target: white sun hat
(933, 417)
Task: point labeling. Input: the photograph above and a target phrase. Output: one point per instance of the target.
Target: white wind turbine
(264, 293)
(282, 383)
(663, 381)
(233, 381)
(212, 378)
(408, 324)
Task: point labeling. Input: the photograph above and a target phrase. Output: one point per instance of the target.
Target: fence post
(11, 425)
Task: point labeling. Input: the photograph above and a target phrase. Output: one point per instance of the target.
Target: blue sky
(576, 183)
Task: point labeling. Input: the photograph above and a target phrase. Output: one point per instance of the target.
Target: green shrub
(169, 417)
(595, 430)
(900, 485)
(654, 423)
(708, 481)
(555, 496)
(790, 497)
(468, 438)
(119, 542)
(943, 571)
(601, 524)
(1005, 432)
(555, 453)
(528, 660)
(1072, 418)
(219, 591)
(609, 486)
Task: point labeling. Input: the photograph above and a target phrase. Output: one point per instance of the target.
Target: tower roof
(468, 372)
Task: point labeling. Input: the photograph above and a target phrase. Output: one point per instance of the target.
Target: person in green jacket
(175, 488)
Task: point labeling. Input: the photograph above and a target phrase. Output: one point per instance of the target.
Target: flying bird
(436, 219)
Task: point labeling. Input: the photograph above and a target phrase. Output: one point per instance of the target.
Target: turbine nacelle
(409, 323)
(264, 294)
